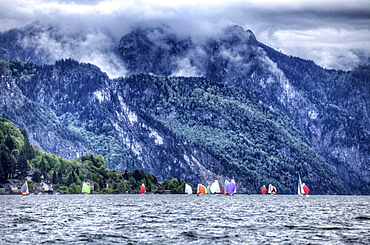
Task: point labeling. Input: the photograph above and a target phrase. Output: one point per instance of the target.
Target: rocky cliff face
(43, 126)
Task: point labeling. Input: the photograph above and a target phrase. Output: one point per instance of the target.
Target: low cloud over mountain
(333, 35)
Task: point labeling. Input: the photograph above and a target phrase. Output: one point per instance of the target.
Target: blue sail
(230, 189)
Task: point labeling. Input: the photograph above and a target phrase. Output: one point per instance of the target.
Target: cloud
(333, 34)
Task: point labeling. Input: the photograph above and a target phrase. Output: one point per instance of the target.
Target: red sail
(263, 190)
(142, 189)
(306, 189)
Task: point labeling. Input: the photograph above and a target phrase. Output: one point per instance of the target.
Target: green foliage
(14, 151)
(176, 186)
(36, 177)
(106, 191)
(17, 156)
(74, 188)
(30, 185)
(122, 187)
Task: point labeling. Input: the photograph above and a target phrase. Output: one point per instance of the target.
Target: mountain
(188, 128)
(329, 107)
(24, 44)
(223, 107)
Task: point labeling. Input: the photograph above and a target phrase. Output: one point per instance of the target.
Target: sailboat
(272, 190)
(303, 189)
(215, 187)
(201, 189)
(231, 188)
(24, 189)
(263, 190)
(86, 188)
(142, 188)
(188, 189)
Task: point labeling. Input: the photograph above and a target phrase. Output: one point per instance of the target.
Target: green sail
(86, 188)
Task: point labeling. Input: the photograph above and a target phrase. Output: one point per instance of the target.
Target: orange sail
(202, 189)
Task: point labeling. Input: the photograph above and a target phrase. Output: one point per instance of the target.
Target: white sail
(300, 187)
(215, 187)
(272, 190)
(188, 189)
(269, 189)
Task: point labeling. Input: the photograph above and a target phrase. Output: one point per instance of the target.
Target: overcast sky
(333, 33)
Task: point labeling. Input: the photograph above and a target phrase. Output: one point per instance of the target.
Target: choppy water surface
(184, 219)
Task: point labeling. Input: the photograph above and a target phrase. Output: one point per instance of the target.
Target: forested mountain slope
(188, 128)
(329, 107)
(222, 107)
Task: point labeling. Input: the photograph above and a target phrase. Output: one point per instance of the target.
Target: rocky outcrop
(43, 126)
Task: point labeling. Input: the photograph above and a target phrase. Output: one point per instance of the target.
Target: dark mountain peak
(24, 43)
(144, 45)
(237, 34)
(162, 51)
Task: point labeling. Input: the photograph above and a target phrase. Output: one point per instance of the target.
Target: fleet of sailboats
(303, 189)
(229, 188)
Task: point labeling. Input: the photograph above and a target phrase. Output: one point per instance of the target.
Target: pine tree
(36, 177)
(22, 165)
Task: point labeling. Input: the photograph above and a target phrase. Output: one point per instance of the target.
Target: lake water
(184, 219)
